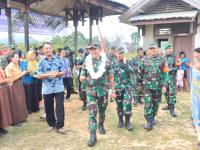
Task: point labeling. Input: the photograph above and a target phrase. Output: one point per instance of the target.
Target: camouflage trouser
(123, 100)
(152, 100)
(136, 93)
(83, 92)
(170, 95)
(135, 89)
(93, 104)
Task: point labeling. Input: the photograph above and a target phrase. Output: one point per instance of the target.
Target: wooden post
(26, 32)
(138, 30)
(25, 9)
(76, 39)
(90, 25)
(75, 18)
(8, 14)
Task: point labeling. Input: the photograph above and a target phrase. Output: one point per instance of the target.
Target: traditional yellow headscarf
(32, 63)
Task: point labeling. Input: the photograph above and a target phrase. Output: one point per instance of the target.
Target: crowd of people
(41, 74)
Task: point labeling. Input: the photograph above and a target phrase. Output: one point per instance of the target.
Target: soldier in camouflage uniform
(82, 86)
(69, 54)
(5, 60)
(153, 77)
(123, 69)
(96, 70)
(170, 95)
(112, 57)
(136, 62)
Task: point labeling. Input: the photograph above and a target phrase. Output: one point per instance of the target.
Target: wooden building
(161, 21)
(70, 10)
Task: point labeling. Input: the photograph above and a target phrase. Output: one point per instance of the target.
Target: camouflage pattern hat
(10, 47)
(153, 45)
(120, 50)
(67, 49)
(95, 46)
(113, 47)
(168, 45)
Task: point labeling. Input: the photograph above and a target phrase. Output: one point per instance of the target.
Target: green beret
(168, 45)
(120, 50)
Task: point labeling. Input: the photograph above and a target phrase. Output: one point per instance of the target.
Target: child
(197, 56)
(180, 75)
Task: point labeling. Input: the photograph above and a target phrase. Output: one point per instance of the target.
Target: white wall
(148, 38)
(197, 36)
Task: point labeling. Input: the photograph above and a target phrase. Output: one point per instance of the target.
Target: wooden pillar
(8, 14)
(25, 9)
(76, 39)
(75, 17)
(90, 25)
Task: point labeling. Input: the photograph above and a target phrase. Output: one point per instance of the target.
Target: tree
(135, 38)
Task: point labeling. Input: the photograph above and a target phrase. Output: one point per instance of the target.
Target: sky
(106, 27)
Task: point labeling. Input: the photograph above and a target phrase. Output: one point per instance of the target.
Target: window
(162, 29)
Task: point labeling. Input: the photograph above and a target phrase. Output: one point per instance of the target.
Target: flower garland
(101, 68)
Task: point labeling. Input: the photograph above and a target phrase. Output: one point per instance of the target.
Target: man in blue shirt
(68, 75)
(51, 69)
(185, 64)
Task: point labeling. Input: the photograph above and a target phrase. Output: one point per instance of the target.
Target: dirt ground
(169, 133)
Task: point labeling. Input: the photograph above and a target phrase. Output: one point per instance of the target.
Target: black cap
(81, 50)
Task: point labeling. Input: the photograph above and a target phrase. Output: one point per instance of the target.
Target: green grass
(169, 133)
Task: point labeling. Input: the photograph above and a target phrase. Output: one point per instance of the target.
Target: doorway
(161, 43)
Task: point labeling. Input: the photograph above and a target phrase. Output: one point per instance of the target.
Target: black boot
(1, 135)
(154, 122)
(172, 112)
(84, 106)
(101, 128)
(140, 100)
(3, 131)
(166, 108)
(135, 100)
(93, 138)
(73, 92)
(127, 123)
(121, 122)
(149, 124)
(111, 100)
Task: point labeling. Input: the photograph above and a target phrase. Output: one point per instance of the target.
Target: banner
(33, 30)
(195, 95)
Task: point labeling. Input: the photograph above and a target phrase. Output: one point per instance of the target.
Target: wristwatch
(113, 91)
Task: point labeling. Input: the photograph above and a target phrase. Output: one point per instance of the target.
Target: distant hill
(17, 40)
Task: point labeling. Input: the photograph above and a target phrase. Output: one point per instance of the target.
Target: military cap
(120, 50)
(168, 45)
(10, 47)
(67, 49)
(81, 50)
(95, 46)
(153, 45)
(113, 47)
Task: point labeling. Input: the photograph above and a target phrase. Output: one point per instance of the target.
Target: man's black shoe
(93, 138)
(149, 124)
(127, 124)
(121, 122)
(101, 128)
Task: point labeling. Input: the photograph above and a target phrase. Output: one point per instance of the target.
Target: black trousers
(49, 105)
(79, 86)
(67, 83)
(39, 91)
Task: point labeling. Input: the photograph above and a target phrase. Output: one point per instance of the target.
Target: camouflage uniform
(153, 78)
(4, 61)
(112, 58)
(122, 77)
(136, 62)
(170, 95)
(97, 92)
(83, 96)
